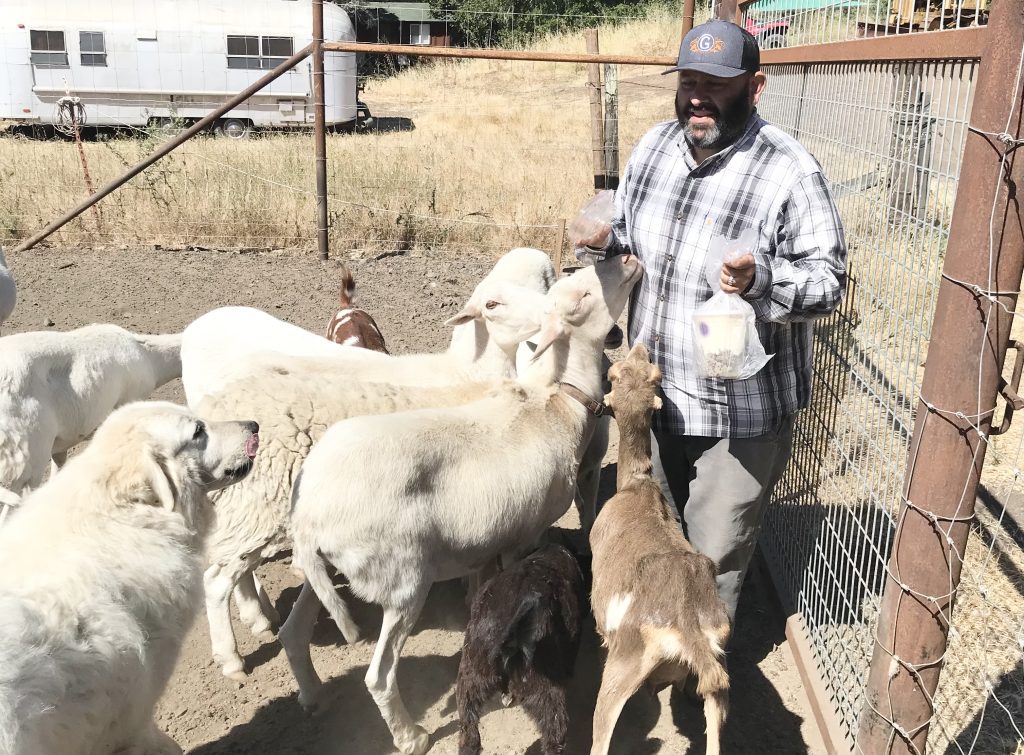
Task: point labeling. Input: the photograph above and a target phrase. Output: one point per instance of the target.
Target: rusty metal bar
(954, 44)
(688, 15)
(319, 129)
(969, 340)
(596, 111)
(166, 148)
(495, 54)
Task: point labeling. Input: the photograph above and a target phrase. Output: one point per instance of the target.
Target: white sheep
(57, 387)
(217, 348)
(400, 501)
(8, 289)
(296, 398)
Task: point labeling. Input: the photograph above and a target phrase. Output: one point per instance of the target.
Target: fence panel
(890, 137)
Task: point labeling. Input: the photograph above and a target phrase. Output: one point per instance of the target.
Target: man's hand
(738, 276)
(583, 236)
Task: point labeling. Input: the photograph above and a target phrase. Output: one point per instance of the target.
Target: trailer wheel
(233, 128)
(773, 40)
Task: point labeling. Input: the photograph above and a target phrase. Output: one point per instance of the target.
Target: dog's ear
(160, 479)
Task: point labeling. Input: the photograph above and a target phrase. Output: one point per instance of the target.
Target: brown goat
(350, 325)
(654, 596)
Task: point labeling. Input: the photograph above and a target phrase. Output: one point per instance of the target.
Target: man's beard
(728, 126)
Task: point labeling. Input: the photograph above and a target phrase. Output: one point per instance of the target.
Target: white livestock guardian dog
(102, 577)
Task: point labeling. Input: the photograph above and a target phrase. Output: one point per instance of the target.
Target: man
(721, 445)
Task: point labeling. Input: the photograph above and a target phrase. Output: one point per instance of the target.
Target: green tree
(506, 23)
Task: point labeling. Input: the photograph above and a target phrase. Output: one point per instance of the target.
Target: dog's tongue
(251, 445)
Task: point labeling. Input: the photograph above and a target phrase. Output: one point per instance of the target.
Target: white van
(145, 62)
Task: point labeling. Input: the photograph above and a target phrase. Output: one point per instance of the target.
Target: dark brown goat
(654, 597)
(521, 642)
(352, 326)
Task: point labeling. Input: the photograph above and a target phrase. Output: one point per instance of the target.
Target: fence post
(969, 338)
(319, 129)
(596, 114)
(688, 13)
(611, 126)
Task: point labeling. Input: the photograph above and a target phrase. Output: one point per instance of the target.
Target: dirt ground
(410, 295)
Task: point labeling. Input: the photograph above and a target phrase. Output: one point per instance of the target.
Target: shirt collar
(750, 132)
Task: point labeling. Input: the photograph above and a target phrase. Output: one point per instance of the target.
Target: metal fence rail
(889, 137)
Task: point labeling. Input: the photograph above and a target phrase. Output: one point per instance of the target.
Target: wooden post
(688, 13)
(558, 250)
(596, 116)
(611, 126)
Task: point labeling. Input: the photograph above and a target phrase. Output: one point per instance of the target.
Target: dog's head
(161, 454)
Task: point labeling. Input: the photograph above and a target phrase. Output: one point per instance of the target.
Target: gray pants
(722, 486)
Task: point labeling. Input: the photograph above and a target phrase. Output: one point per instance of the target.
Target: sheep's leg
(622, 677)
(218, 582)
(296, 635)
(471, 693)
(254, 606)
(547, 706)
(381, 677)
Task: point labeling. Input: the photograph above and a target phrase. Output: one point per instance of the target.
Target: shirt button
(670, 258)
(657, 339)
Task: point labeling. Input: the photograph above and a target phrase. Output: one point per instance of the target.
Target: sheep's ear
(553, 329)
(469, 312)
(657, 403)
(159, 479)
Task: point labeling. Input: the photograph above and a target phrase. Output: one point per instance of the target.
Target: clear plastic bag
(595, 216)
(726, 344)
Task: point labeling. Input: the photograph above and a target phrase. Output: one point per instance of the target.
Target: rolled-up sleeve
(804, 276)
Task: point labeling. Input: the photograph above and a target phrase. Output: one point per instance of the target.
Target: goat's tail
(514, 653)
(314, 565)
(347, 298)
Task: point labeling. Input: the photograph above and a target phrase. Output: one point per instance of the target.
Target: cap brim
(711, 69)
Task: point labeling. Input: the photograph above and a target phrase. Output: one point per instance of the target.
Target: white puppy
(102, 578)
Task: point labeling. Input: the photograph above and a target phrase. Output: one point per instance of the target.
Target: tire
(773, 40)
(233, 128)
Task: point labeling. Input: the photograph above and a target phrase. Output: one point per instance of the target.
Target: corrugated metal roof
(403, 11)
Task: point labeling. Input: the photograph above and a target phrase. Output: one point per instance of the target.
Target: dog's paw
(417, 742)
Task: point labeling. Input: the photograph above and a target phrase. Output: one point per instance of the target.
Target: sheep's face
(587, 303)
(509, 312)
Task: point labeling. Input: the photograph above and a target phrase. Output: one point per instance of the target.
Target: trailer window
(48, 49)
(258, 52)
(276, 50)
(419, 34)
(93, 48)
(243, 52)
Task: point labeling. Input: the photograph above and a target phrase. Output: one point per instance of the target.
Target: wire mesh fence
(890, 137)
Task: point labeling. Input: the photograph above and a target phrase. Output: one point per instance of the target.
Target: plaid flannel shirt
(668, 208)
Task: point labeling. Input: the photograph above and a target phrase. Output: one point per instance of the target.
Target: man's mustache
(688, 109)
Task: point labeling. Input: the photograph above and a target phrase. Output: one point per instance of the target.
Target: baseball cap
(718, 48)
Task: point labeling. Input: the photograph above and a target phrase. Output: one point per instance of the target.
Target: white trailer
(143, 62)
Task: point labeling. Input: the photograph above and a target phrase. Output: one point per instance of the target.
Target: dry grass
(499, 156)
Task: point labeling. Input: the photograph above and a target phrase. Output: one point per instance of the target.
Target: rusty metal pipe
(970, 335)
(689, 8)
(166, 148)
(493, 54)
(319, 129)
